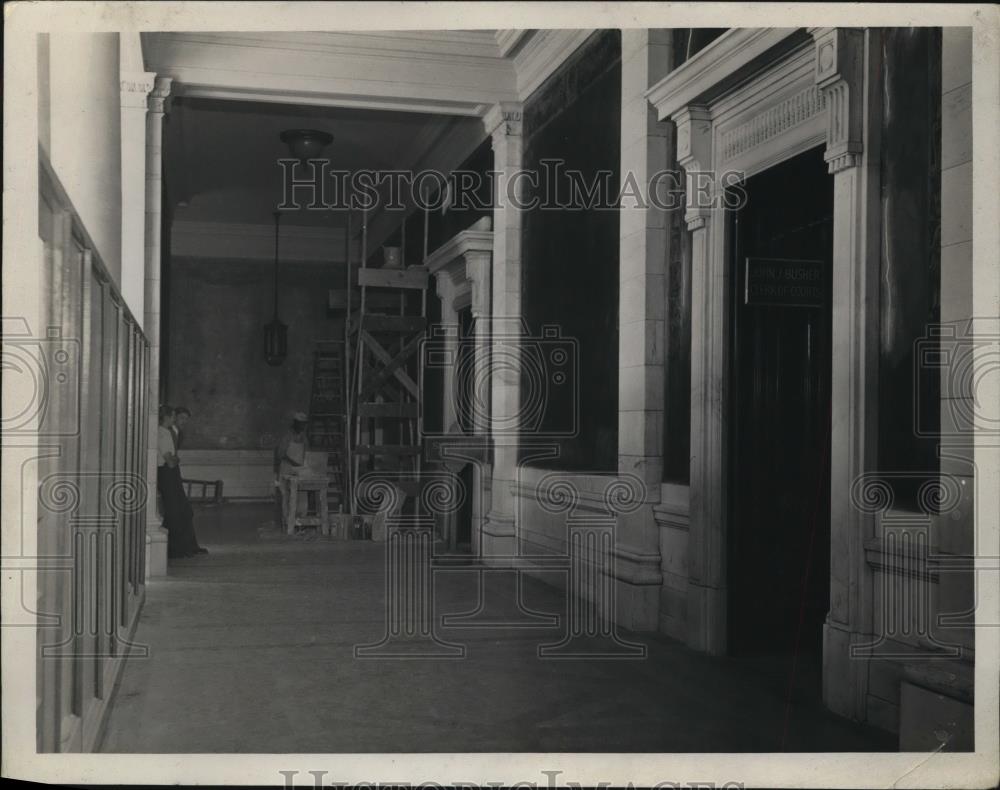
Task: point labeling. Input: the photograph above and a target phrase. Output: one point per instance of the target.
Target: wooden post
(427, 216)
(359, 361)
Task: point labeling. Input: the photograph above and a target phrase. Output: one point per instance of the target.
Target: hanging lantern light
(306, 144)
(303, 144)
(275, 333)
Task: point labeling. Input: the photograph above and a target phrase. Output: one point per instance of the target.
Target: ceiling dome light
(306, 144)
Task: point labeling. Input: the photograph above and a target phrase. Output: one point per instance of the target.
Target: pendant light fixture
(306, 144)
(275, 333)
(303, 144)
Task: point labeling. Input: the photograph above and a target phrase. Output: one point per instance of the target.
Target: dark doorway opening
(779, 440)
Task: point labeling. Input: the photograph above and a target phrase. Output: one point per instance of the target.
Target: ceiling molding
(542, 53)
(509, 41)
(315, 99)
(398, 72)
(472, 47)
(232, 241)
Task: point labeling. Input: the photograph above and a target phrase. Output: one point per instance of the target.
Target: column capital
(444, 287)
(503, 120)
(159, 94)
(839, 76)
(135, 88)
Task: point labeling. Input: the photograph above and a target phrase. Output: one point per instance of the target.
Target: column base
(637, 606)
(840, 694)
(706, 619)
(156, 552)
(498, 541)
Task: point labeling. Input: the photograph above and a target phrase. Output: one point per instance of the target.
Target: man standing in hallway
(181, 416)
(185, 512)
(289, 458)
(178, 518)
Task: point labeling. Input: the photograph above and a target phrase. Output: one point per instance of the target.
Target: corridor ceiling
(222, 156)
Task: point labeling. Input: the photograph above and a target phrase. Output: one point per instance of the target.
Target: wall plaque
(784, 282)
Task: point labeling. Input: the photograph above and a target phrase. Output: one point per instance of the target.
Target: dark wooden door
(779, 534)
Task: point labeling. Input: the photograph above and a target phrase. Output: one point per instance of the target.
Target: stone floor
(251, 649)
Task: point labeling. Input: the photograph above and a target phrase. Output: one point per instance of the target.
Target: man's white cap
(300, 416)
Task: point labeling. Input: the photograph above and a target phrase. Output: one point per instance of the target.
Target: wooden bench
(207, 490)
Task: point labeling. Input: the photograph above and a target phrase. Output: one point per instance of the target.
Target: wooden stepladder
(387, 373)
(328, 417)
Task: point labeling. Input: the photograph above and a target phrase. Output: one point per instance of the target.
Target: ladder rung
(327, 412)
(403, 411)
(394, 323)
(410, 277)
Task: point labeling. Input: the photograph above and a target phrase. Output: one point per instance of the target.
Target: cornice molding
(714, 68)
(463, 263)
(542, 53)
(460, 245)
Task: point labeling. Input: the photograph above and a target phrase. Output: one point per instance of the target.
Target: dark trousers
(178, 517)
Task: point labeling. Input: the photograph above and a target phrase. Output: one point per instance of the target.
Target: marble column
(156, 536)
(840, 75)
(135, 89)
(477, 272)
(645, 151)
(503, 122)
(706, 599)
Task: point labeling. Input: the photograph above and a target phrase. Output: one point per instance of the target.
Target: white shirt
(164, 445)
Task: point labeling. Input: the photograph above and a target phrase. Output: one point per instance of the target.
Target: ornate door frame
(805, 88)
